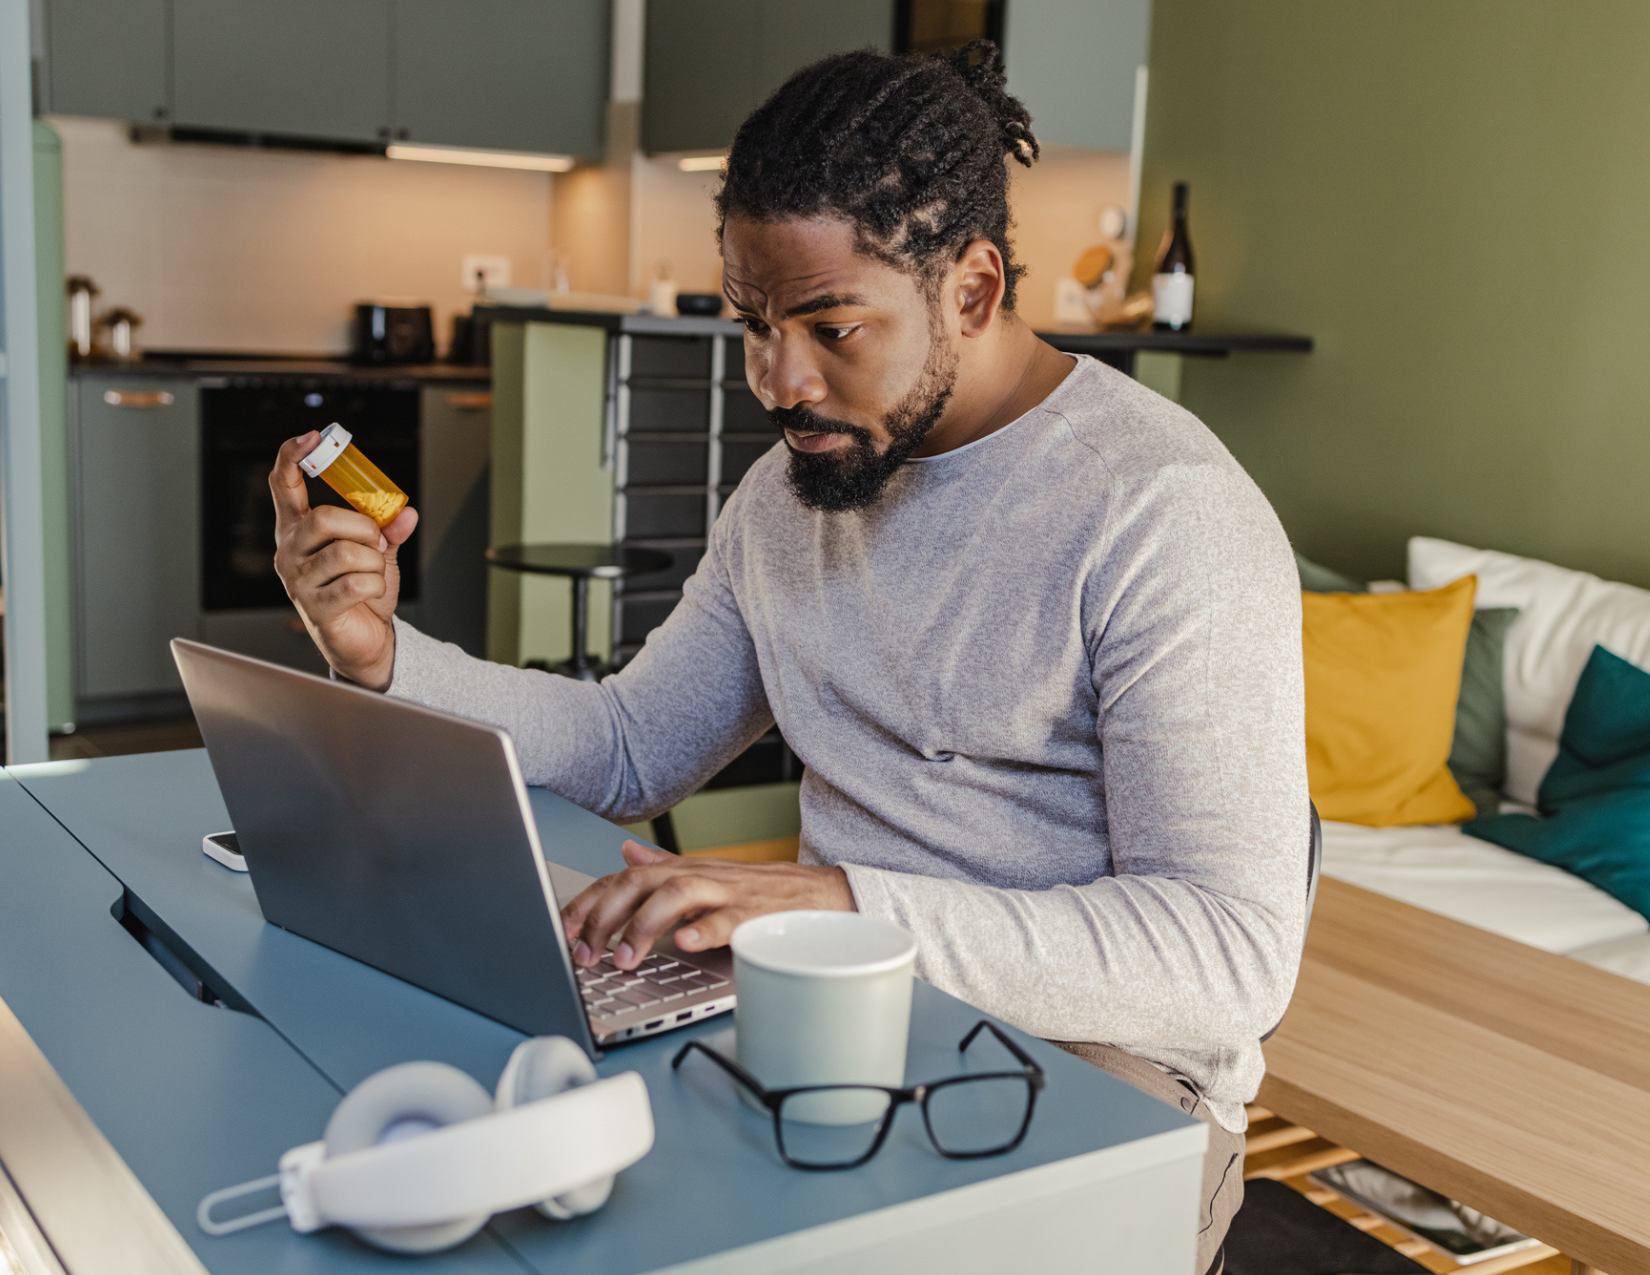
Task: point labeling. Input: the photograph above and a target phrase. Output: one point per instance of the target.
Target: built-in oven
(242, 427)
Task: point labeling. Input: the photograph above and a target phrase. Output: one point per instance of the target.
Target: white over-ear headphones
(417, 1157)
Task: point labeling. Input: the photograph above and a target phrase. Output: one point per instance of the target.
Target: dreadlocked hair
(909, 150)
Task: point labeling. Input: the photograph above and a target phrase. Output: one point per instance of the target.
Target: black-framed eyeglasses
(970, 1116)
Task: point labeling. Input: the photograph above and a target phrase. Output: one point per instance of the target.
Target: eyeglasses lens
(972, 1116)
(837, 1125)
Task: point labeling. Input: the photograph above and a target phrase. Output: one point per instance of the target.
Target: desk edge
(860, 1231)
(88, 1203)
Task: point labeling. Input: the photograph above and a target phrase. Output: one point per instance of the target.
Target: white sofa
(1562, 615)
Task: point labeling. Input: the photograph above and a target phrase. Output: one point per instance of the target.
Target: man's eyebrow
(828, 301)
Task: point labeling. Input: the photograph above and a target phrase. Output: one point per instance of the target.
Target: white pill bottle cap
(334, 438)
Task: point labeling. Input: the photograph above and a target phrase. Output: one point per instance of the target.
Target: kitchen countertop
(1207, 344)
(302, 368)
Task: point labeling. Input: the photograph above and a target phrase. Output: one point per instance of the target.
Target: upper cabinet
(1073, 62)
(710, 63)
(525, 75)
(307, 68)
(107, 58)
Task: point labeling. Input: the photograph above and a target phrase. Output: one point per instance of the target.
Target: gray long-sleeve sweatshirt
(1048, 693)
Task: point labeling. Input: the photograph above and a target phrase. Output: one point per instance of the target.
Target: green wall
(1454, 200)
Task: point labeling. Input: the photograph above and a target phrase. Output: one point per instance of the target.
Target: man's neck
(998, 381)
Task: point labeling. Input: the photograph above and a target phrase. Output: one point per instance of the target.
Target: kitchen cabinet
(1073, 62)
(710, 63)
(106, 58)
(305, 68)
(527, 75)
(134, 496)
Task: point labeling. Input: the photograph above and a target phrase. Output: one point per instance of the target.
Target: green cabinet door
(526, 75)
(306, 68)
(106, 58)
(1072, 62)
(134, 450)
(710, 63)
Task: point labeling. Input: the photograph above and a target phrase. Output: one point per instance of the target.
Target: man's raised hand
(707, 897)
(339, 570)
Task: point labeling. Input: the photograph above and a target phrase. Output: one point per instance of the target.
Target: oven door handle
(138, 398)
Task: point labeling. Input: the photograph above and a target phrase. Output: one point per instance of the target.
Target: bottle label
(1172, 299)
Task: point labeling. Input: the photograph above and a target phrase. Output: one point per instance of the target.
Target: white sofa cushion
(1442, 869)
(1563, 614)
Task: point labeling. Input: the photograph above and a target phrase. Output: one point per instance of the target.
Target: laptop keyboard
(609, 990)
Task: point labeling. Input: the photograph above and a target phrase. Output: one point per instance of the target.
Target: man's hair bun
(980, 63)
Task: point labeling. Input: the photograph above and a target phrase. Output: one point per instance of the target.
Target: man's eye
(754, 326)
(835, 333)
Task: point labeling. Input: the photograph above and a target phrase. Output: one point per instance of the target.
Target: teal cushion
(1595, 798)
(1321, 579)
(1478, 755)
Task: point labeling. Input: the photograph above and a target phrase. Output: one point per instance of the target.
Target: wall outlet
(482, 272)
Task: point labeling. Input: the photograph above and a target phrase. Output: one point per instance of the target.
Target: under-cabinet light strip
(481, 158)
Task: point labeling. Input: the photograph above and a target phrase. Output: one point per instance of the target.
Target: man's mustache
(804, 420)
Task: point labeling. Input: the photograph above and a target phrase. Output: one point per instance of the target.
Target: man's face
(846, 353)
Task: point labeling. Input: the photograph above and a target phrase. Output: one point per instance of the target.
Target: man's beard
(852, 477)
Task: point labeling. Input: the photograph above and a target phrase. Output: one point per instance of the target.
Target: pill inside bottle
(340, 464)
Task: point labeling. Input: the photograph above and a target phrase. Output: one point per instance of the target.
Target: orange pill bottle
(339, 463)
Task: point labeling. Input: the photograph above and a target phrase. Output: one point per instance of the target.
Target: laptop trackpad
(568, 882)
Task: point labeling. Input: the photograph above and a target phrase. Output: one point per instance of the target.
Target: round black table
(581, 563)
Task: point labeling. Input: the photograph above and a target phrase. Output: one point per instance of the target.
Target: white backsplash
(227, 249)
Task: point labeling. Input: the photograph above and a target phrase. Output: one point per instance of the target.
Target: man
(1033, 632)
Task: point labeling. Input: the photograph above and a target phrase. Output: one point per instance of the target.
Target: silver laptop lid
(395, 834)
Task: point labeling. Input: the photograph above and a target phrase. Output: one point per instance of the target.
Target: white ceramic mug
(824, 999)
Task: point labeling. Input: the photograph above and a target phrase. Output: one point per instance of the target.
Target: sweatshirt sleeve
(635, 743)
(1190, 946)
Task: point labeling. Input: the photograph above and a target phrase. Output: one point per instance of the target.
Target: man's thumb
(636, 854)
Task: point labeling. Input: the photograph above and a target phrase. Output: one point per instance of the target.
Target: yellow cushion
(1383, 672)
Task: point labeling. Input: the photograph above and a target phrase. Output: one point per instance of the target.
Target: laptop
(403, 837)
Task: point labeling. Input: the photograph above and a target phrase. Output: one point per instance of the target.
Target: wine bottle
(1172, 282)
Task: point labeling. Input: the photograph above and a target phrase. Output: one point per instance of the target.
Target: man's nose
(792, 378)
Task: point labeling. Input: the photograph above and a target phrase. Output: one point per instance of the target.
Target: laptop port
(657, 1022)
(684, 1016)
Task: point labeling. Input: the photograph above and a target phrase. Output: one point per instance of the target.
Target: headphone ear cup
(542, 1068)
(402, 1102)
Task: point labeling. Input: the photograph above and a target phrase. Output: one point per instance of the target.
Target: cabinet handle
(138, 398)
(473, 401)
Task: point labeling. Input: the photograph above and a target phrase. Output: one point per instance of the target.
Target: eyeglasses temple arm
(1025, 1059)
(726, 1064)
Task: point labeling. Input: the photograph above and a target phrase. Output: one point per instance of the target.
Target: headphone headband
(486, 1165)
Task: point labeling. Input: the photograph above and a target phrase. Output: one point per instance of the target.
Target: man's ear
(977, 283)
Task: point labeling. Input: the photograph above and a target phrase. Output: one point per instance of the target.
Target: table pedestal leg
(580, 665)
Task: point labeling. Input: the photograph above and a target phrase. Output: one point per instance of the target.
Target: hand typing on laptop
(707, 897)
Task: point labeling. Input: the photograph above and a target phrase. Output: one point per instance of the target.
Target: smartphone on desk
(225, 847)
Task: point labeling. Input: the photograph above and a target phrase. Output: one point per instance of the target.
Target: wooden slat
(1508, 1078)
(1294, 1161)
(1266, 1139)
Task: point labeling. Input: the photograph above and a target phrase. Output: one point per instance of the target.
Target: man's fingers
(339, 558)
(344, 594)
(615, 907)
(681, 898)
(325, 523)
(286, 480)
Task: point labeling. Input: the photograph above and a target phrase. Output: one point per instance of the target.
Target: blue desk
(195, 1097)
